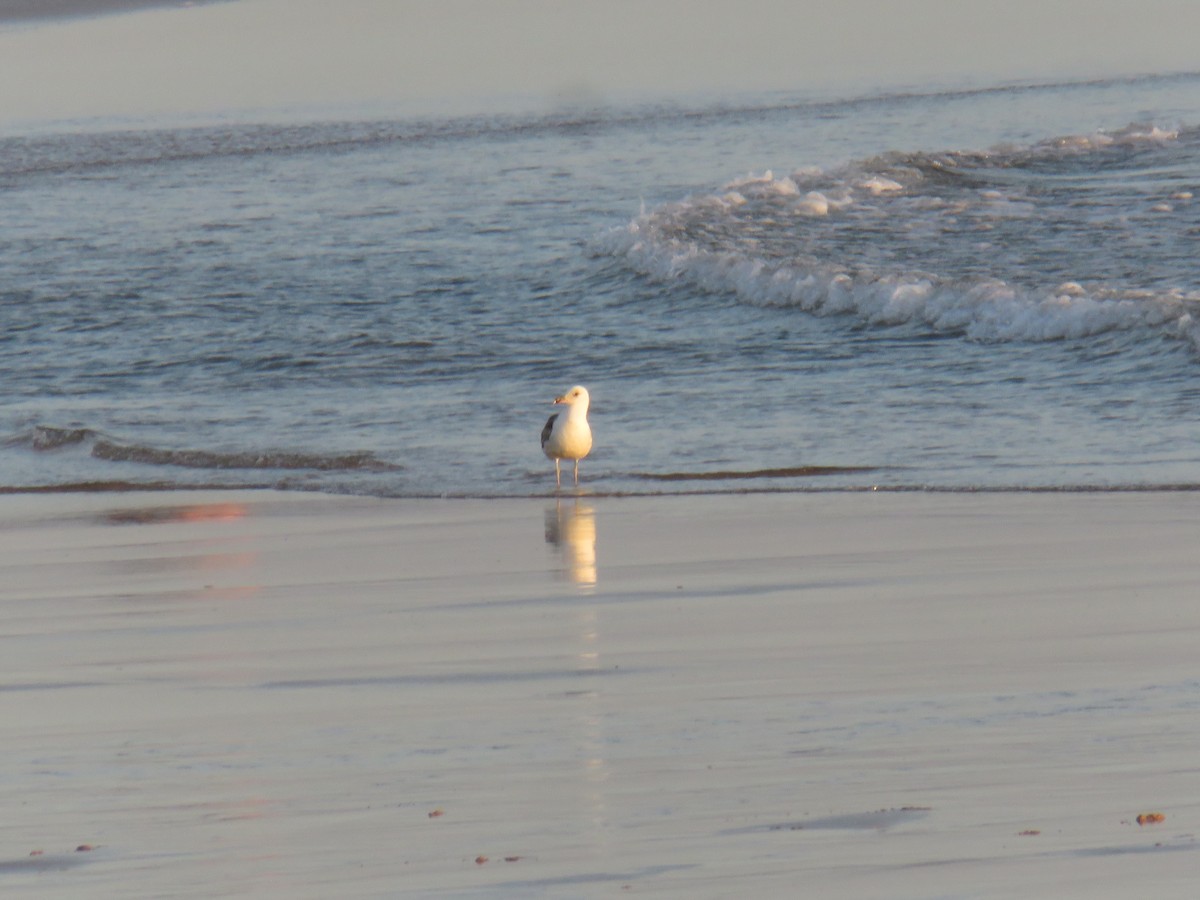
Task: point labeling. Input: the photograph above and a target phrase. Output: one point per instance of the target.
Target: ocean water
(943, 288)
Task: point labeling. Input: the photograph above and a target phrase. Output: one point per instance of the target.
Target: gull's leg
(557, 478)
(576, 473)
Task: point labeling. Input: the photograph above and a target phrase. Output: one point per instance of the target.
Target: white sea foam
(814, 204)
(896, 241)
(750, 181)
(985, 310)
(877, 184)
(1132, 134)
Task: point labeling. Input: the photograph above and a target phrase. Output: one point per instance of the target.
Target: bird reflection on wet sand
(572, 529)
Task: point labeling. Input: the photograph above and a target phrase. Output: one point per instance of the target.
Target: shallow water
(947, 289)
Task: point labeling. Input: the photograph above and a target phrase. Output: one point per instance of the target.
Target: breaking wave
(1068, 238)
(47, 438)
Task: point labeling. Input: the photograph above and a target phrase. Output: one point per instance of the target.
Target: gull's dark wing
(547, 428)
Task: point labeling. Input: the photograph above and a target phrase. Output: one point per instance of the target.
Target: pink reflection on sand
(194, 512)
(214, 558)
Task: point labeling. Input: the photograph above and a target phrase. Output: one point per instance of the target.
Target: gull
(568, 436)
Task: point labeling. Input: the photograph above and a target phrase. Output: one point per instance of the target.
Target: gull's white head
(577, 397)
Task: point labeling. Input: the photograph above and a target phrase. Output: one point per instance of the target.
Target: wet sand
(859, 695)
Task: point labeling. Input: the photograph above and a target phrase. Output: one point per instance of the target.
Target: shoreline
(293, 694)
(586, 492)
